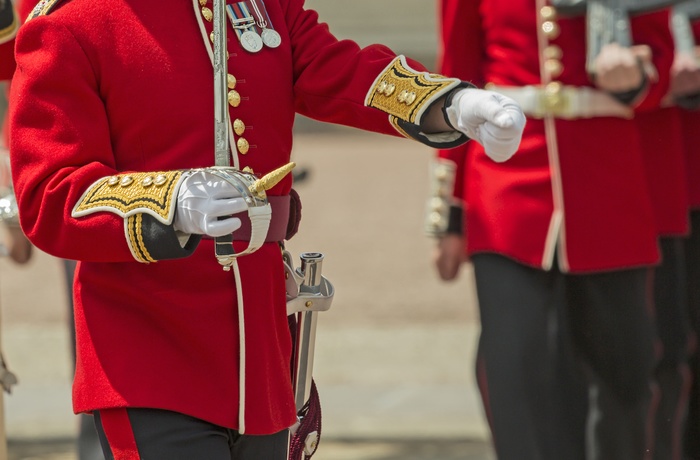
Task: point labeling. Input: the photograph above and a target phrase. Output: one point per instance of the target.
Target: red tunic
(690, 123)
(589, 202)
(127, 85)
(664, 157)
(691, 138)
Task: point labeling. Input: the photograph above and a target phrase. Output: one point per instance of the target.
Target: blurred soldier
(112, 141)
(685, 92)
(14, 243)
(17, 246)
(662, 146)
(9, 23)
(565, 229)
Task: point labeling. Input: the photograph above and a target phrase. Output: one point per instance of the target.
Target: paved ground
(330, 450)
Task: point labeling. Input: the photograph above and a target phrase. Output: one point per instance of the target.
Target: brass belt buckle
(554, 100)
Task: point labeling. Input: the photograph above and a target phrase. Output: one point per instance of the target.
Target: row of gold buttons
(147, 181)
(233, 97)
(553, 99)
(552, 54)
(443, 176)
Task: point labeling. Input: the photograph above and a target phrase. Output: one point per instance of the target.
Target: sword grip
(305, 340)
(311, 265)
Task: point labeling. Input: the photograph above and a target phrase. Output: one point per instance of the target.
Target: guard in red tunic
(663, 147)
(565, 229)
(685, 90)
(113, 143)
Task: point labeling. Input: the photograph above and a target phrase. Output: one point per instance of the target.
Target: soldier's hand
(685, 75)
(493, 120)
(619, 69)
(449, 256)
(205, 204)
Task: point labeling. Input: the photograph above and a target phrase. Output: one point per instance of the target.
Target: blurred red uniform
(564, 228)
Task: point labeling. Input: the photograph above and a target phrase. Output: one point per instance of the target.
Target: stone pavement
(394, 361)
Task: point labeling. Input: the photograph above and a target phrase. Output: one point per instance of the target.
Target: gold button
(234, 98)
(548, 13)
(411, 98)
(402, 96)
(114, 180)
(437, 204)
(550, 29)
(441, 173)
(231, 81)
(242, 145)
(390, 89)
(211, 36)
(202, 2)
(238, 126)
(309, 304)
(126, 181)
(553, 87)
(552, 52)
(160, 180)
(553, 67)
(147, 181)
(208, 15)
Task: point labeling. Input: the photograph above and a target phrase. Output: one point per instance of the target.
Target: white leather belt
(561, 101)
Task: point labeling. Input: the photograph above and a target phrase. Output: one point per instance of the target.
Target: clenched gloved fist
(201, 200)
(493, 120)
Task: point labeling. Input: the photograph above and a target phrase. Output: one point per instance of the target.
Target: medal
(251, 41)
(271, 38)
(269, 35)
(243, 24)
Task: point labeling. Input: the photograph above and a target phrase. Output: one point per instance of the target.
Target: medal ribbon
(260, 12)
(240, 18)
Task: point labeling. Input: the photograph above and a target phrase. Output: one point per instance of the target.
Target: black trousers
(673, 331)
(692, 258)
(566, 361)
(151, 434)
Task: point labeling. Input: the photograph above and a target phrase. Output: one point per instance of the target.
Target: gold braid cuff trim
(406, 93)
(395, 123)
(134, 237)
(8, 32)
(153, 193)
(43, 8)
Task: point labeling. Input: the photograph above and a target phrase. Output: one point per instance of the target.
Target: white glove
(201, 199)
(493, 120)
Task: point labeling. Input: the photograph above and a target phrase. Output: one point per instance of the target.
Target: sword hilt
(310, 269)
(311, 265)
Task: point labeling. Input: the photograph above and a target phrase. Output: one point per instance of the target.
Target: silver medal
(251, 41)
(271, 38)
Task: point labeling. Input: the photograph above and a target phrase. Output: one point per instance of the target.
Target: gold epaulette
(43, 8)
(132, 193)
(405, 93)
